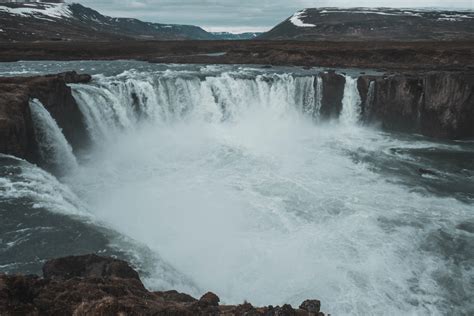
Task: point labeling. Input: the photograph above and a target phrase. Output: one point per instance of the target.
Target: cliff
(93, 285)
(435, 104)
(16, 127)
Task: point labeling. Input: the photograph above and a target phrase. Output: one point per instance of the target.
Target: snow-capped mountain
(68, 22)
(336, 24)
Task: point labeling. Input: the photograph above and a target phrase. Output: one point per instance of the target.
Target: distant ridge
(73, 22)
(366, 24)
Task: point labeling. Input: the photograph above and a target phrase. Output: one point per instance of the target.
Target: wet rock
(311, 306)
(88, 266)
(436, 104)
(175, 296)
(74, 77)
(333, 93)
(93, 285)
(285, 310)
(210, 299)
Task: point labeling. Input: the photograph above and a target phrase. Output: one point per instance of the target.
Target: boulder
(210, 299)
(311, 306)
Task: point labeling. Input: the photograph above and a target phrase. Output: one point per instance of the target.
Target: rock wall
(435, 104)
(333, 93)
(93, 285)
(16, 127)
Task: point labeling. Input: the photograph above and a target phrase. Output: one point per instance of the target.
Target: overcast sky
(240, 15)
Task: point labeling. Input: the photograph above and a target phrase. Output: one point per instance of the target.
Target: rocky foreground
(93, 285)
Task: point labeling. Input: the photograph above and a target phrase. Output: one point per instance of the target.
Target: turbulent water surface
(225, 179)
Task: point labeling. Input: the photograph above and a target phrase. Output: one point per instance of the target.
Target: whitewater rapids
(235, 182)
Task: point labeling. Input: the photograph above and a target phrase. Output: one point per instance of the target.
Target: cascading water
(319, 97)
(229, 178)
(125, 101)
(54, 149)
(371, 94)
(350, 103)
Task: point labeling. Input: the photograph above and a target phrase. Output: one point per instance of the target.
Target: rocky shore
(93, 285)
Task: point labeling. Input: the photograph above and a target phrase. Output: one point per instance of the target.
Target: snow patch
(296, 19)
(399, 12)
(457, 16)
(41, 11)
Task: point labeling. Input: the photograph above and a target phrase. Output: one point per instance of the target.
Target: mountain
(74, 22)
(365, 24)
(233, 36)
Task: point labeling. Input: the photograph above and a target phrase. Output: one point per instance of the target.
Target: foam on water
(29, 183)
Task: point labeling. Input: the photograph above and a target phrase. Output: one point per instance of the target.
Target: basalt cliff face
(17, 136)
(93, 285)
(435, 104)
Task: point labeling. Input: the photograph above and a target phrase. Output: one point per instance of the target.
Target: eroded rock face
(436, 104)
(93, 285)
(333, 93)
(16, 126)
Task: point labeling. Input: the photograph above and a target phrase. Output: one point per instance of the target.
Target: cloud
(240, 14)
(138, 5)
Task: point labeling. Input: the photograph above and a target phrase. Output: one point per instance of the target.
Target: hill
(368, 24)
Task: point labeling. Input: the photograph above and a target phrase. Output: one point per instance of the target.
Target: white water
(230, 181)
(350, 103)
(370, 95)
(54, 149)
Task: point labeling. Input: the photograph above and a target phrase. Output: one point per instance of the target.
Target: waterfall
(370, 98)
(319, 97)
(54, 149)
(370, 94)
(112, 104)
(350, 103)
(118, 103)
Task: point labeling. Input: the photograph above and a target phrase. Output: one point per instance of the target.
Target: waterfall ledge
(436, 104)
(17, 136)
